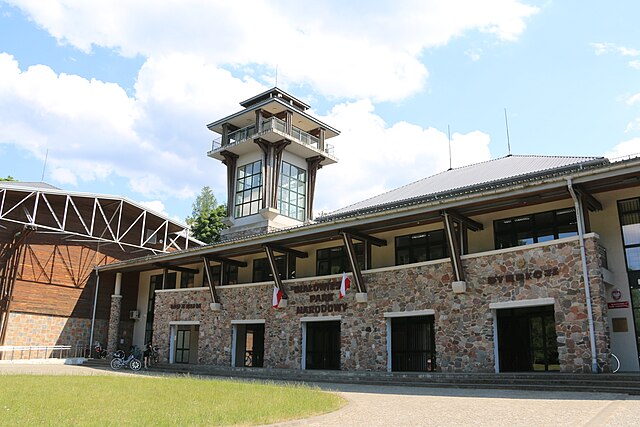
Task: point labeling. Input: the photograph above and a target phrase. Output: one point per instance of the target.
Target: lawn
(32, 400)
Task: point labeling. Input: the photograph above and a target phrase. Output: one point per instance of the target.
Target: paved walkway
(373, 406)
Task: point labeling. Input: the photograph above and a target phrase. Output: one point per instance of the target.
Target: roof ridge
(579, 159)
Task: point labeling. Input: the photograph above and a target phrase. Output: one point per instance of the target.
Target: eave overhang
(468, 202)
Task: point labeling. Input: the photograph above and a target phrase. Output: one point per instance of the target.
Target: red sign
(618, 304)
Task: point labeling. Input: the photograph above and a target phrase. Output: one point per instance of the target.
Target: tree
(8, 178)
(206, 217)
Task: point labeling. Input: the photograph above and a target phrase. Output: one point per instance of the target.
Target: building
(521, 263)
(50, 242)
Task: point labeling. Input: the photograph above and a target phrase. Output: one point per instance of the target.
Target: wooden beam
(592, 203)
(285, 250)
(274, 270)
(216, 258)
(176, 268)
(365, 237)
(355, 268)
(207, 273)
(471, 224)
(454, 246)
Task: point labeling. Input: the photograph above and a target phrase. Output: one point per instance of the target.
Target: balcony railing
(272, 124)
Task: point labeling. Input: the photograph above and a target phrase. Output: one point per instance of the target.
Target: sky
(113, 97)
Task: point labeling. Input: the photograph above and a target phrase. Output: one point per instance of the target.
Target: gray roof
(33, 185)
(508, 169)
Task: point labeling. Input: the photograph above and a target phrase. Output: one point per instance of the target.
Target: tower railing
(268, 125)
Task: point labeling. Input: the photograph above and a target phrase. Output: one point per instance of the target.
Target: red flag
(277, 296)
(346, 282)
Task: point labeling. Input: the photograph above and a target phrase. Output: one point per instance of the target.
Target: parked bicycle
(613, 364)
(119, 360)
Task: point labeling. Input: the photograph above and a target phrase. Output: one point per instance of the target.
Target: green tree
(8, 178)
(206, 217)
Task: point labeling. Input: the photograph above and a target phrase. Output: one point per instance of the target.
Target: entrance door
(323, 345)
(413, 344)
(527, 339)
(249, 342)
(183, 338)
(185, 344)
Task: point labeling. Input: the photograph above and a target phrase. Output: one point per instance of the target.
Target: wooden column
(230, 160)
(274, 270)
(353, 261)
(454, 247)
(313, 164)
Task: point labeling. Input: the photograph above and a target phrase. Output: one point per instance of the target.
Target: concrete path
(373, 406)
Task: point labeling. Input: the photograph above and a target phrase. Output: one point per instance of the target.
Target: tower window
(292, 191)
(248, 189)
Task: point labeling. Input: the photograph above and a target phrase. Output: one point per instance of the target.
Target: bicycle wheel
(135, 364)
(116, 363)
(614, 363)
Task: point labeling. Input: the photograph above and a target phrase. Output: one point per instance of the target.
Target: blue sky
(119, 94)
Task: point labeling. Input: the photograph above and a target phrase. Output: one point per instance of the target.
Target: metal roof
(510, 168)
(33, 185)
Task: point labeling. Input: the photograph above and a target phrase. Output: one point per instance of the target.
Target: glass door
(183, 339)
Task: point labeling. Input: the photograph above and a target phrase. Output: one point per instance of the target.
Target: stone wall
(464, 324)
(41, 330)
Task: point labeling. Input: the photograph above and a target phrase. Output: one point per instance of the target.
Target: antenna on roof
(449, 133)
(276, 75)
(44, 167)
(506, 124)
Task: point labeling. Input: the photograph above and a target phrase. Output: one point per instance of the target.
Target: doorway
(322, 345)
(249, 345)
(184, 343)
(527, 339)
(413, 344)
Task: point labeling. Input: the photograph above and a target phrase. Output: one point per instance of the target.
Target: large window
(187, 280)
(225, 274)
(535, 228)
(292, 191)
(248, 189)
(335, 261)
(286, 265)
(420, 247)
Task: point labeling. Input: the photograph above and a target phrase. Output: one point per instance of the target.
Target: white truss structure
(99, 218)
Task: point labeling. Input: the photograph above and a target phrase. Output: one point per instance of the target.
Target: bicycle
(613, 363)
(119, 361)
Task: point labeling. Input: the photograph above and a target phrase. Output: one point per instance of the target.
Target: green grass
(33, 400)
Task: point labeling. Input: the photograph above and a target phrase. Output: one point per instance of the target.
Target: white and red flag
(277, 297)
(346, 282)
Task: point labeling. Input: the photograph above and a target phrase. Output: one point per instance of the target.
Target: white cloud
(154, 205)
(93, 130)
(339, 49)
(630, 147)
(375, 157)
(633, 99)
(634, 64)
(64, 176)
(603, 48)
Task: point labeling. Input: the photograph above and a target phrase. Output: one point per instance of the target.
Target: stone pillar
(114, 316)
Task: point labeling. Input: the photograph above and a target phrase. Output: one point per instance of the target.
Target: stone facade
(41, 330)
(114, 323)
(464, 323)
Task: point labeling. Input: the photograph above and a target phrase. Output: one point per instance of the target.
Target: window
(248, 189)
(286, 265)
(170, 282)
(335, 261)
(535, 228)
(292, 191)
(187, 280)
(420, 247)
(229, 274)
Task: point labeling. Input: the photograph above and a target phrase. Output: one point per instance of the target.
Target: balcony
(272, 129)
